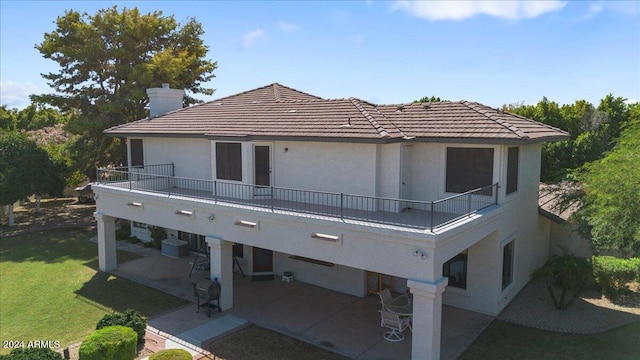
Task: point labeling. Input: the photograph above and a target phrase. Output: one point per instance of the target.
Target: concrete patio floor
(342, 323)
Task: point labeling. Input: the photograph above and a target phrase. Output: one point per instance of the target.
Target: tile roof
(276, 111)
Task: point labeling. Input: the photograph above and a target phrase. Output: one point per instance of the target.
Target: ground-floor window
(196, 242)
(238, 250)
(139, 225)
(507, 264)
(456, 270)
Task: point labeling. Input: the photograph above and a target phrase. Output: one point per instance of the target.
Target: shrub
(111, 342)
(568, 272)
(32, 354)
(133, 239)
(158, 234)
(124, 231)
(171, 354)
(613, 274)
(130, 318)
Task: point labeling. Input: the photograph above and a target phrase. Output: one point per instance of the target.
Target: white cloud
(287, 27)
(13, 94)
(460, 10)
(593, 10)
(251, 37)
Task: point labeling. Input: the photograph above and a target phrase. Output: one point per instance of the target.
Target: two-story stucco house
(441, 198)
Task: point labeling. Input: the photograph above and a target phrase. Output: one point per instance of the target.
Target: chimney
(163, 100)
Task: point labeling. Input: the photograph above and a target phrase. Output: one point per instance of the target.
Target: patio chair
(385, 297)
(395, 323)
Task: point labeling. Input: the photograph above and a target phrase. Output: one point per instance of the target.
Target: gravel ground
(591, 313)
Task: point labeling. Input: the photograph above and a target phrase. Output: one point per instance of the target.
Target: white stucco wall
(192, 157)
(331, 167)
(339, 277)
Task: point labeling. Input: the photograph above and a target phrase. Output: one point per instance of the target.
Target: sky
(385, 52)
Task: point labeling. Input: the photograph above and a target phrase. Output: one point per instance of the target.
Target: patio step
(203, 334)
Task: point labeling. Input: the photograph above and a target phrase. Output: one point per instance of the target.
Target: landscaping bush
(130, 318)
(32, 354)
(171, 354)
(568, 272)
(124, 231)
(133, 239)
(111, 342)
(158, 234)
(613, 274)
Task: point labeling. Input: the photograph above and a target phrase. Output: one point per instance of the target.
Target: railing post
(341, 206)
(169, 185)
(432, 214)
(469, 204)
(173, 169)
(129, 175)
(271, 191)
(215, 191)
(495, 188)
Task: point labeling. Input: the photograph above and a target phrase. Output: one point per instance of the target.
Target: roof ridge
(383, 133)
(507, 125)
(276, 92)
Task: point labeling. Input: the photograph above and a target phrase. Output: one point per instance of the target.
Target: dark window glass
(238, 250)
(507, 265)
(137, 154)
(512, 170)
(456, 270)
(229, 161)
(468, 169)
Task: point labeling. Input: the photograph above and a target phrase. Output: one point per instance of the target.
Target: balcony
(404, 213)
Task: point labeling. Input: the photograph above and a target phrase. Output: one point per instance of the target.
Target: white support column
(222, 268)
(427, 318)
(107, 259)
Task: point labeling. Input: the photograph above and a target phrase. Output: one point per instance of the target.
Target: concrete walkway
(338, 322)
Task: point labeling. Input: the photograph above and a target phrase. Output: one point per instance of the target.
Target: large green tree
(26, 169)
(610, 211)
(594, 131)
(107, 61)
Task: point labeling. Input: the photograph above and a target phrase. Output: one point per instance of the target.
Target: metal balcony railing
(426, 215)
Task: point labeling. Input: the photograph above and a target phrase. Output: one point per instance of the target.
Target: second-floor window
(512, 169)
(229, 161)
(137, 152)
(468, 169)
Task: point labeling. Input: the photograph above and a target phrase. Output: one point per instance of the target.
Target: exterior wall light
(134, 204)
(184, 212)
(326, 237)
(422, 254)
(246, 223)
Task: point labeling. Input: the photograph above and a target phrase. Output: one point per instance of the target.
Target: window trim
(511, 270)
(512, 167)
(446, 270)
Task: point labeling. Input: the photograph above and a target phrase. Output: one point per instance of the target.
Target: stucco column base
(222, 268)
(427, 318)
(107, 259)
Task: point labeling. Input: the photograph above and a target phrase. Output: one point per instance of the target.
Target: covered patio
(342, 323)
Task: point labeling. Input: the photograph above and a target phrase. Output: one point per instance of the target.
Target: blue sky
(385, 52)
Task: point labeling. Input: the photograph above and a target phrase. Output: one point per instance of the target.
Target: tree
(26, 169)
(107, 61)
(425, 99)
(611, 195)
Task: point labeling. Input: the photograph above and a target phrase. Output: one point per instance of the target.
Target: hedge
(112, 342)
(171, 354)
(32, 354)
(130, 318)
(613, 274)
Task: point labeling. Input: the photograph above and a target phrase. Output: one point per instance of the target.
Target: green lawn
(51, 289)
(503, 340)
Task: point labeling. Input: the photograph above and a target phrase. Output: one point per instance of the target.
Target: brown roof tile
(277, 111)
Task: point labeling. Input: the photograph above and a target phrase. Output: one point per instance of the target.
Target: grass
(255, 342)
(52, 290)
(502, 340)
